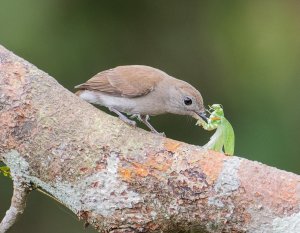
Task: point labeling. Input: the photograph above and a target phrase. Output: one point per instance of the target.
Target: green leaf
(5, 171)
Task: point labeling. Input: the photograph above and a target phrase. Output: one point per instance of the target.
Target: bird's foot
(127, 121)
(145, 119)
(160, 134)
(123, 117)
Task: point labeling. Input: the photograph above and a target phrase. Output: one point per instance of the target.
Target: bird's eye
(187, 101)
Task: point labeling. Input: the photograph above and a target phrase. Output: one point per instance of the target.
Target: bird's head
(186, 100)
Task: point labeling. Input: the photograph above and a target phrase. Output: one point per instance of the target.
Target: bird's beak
(203, 116)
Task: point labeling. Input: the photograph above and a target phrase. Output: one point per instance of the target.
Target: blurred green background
(243, 54)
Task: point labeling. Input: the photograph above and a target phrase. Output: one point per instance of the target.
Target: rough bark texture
(121, 179)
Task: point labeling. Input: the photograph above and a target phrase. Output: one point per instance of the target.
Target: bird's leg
(144, 119)
(135, 116)
(123, 117)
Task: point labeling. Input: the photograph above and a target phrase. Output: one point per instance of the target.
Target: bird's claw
(129, 122)
(161, 134)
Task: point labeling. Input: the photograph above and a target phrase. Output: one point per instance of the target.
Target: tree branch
(121, 179)
(18, 203)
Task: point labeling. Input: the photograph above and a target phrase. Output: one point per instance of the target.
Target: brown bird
(142, 91)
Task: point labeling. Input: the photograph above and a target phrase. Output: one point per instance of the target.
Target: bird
(142, 91)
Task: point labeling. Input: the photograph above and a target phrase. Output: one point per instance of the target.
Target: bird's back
(125, 81)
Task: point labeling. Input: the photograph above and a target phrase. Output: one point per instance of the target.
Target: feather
(125, 81)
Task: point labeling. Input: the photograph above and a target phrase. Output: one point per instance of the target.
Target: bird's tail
(78, 92)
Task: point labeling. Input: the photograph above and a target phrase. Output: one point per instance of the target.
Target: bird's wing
(125, 81)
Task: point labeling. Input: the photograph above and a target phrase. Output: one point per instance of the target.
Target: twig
(18, 203)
